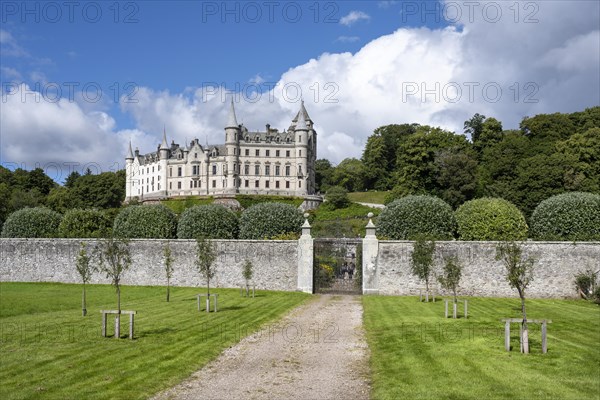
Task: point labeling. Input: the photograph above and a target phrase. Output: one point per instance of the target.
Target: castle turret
(129, 172)
(301, 132)
(163, 164)
(232, 137)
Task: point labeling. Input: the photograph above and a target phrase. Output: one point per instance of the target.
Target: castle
(266, 163)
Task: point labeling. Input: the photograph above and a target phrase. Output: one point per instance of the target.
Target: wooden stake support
(118, 322)
(507, 323)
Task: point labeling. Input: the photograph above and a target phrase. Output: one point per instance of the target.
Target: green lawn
(49, 351)
(368, 197)
(417, 354)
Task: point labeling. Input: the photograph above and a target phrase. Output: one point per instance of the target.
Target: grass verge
(50, 351)
(417, 354)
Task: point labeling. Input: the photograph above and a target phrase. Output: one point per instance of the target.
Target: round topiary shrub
(412, 216)
(146, 222)
(337, 197)
(210, 221)
(89, 223)
(39, 222)
(270, 220)
(571, 216)
(490, 219)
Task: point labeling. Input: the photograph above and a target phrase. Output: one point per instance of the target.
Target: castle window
(214, 170)
(267, 170)
(248, 152)
(277, 152)
(277, 170)
(299, 153)
(287, 170)
(179, 171)
(178, 185)
(287, 184)
(257, 153)
(159, 186)
(268, 153)
(276, 184)
(170, 185)
(191, 184)
(152, 169)
(299, 184)
(267, 184)
(247, 138)
(170, 171)
(246, 169)
(159, 167)
(257, 169)
(257, 184)
(214, 183)
(287, 153)
(195, 155)
(246, 183)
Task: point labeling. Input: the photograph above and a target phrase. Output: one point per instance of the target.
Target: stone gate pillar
(305, 259)
(370, 281)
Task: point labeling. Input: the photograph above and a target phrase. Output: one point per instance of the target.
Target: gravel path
(318, 351)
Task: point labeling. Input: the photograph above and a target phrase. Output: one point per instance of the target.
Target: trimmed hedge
(88, 223)
(270, 220)
(210, 221)
(145, 222)
(573, 216)
(412, 216)
(490, 219)
(38, 222)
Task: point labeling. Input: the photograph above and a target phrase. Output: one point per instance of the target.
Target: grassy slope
(50, 351)
(417, 354)
(343, 222)
(368, 197)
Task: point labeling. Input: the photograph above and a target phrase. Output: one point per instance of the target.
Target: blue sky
(359, 65)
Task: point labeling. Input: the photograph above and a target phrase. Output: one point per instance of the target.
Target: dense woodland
(549, 154)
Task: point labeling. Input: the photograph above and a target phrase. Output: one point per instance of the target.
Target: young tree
(452, 274)
(85, 270)
(114, 259)
(247, 273)
(168, 267)
(421, 260)
(519, 274)
(205, 257)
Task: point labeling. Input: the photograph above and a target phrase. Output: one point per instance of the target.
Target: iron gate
(337, 266)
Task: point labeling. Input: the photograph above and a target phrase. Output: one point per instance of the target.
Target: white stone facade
(266, 163)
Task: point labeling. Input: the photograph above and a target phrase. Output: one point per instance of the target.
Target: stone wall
(287, 265)
(53, 260)
(555, 268)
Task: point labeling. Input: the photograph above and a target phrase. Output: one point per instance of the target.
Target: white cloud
(11, 73)
(347, 39)
(553, 62)
(386, 4)
(9, 46)
(353, 17)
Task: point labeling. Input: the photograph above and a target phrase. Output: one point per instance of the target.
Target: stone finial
(306, 226)
(370, 226)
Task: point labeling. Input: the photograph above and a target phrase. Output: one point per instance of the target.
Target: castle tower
(129, 178)
(163, 164)
(232, 149)
(301, 132)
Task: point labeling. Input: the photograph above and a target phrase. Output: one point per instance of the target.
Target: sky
(81, 79)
